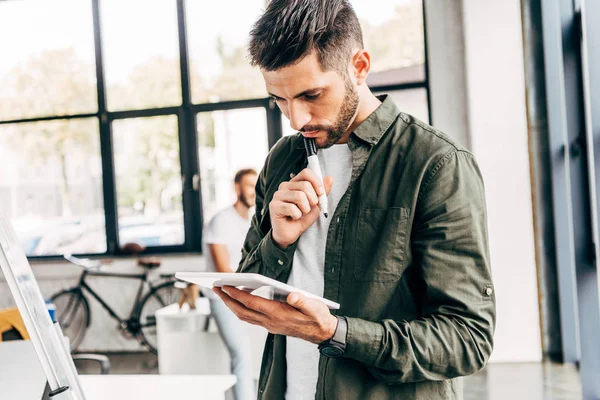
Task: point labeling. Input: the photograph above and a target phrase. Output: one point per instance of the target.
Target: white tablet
(249, 282)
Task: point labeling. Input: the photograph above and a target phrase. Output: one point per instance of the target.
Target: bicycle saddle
(144, 262)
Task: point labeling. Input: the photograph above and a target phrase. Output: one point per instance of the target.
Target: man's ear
(360, 66)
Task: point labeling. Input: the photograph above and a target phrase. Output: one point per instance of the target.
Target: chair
(99, 358)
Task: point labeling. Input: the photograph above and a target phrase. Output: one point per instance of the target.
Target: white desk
(22, 377)
(128, 387)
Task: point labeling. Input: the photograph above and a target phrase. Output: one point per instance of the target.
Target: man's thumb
(303, 304)
(295, 300)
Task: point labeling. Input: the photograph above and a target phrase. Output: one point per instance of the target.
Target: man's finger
(297, 197)
(282, 209)
(252, 302)
(242, 312)
(302, 186)
(309, 175)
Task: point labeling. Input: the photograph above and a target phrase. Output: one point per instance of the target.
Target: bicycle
(73, 309)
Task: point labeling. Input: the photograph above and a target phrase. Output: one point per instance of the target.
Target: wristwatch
(336, 346)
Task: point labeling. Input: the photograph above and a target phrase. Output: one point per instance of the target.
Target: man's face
(320, 104)
(245, 190)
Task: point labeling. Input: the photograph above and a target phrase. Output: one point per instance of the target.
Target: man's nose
(299, 115)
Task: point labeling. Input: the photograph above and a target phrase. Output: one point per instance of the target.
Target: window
(398, 62)
(114, 131)
(218, 38)
(51, 185)
(141, 53)
(148, 174)
(394, 36)
(47, 65)
(228, 141)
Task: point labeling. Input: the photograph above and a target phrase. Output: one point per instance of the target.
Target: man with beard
(405, 251)
(222, 242)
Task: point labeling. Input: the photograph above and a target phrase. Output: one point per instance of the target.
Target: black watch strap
(341, 331)
(336, 346)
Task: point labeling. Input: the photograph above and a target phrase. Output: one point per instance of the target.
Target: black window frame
(188, 141)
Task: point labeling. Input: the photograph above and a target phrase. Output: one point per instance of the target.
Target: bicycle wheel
(73, 315)
(159, 297)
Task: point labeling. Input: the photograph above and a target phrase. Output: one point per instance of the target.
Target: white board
(45, 336)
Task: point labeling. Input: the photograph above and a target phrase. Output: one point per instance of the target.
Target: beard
(347, 112)
(249, 203)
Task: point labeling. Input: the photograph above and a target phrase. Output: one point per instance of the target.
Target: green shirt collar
(372, 129)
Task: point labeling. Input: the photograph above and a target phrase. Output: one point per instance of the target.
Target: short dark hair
(290, 29)
(242, 173)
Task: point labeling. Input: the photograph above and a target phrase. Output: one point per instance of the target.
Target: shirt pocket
(380, 247)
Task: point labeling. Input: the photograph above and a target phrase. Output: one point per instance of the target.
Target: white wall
(498, 127)
(446, 68)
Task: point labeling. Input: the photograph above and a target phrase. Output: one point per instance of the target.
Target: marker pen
(313, 164)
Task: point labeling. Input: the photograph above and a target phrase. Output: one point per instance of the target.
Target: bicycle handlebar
(84, 263)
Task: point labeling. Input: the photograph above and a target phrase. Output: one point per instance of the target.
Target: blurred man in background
(223, 239)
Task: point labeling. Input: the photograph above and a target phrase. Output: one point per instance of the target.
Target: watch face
(332, 351)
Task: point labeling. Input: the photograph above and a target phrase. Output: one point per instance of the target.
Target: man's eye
(312, 97)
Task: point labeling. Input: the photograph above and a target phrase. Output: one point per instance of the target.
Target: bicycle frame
(143, 277)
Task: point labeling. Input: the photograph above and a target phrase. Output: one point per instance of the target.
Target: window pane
(141, 53)
(47, 62)
(394, 36)
(51, 186)
(218, 36)
(148, 172)
(228, 141)
(413, 102)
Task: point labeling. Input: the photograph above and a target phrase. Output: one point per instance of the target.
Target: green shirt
(406, 257)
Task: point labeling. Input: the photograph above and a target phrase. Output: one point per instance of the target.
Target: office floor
(496, 382)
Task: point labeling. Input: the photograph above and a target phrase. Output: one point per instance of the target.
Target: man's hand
(300, 317)
(295, 206)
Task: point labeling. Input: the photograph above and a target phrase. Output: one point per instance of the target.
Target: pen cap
(310, 146)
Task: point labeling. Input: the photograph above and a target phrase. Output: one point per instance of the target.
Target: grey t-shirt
(308, 273)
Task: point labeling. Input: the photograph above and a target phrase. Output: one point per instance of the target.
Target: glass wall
(125, 121)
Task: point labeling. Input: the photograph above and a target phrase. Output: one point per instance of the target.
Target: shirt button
(262, 212)
(280, 262)
(292, 175)
(338, 220)
(488, 291)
